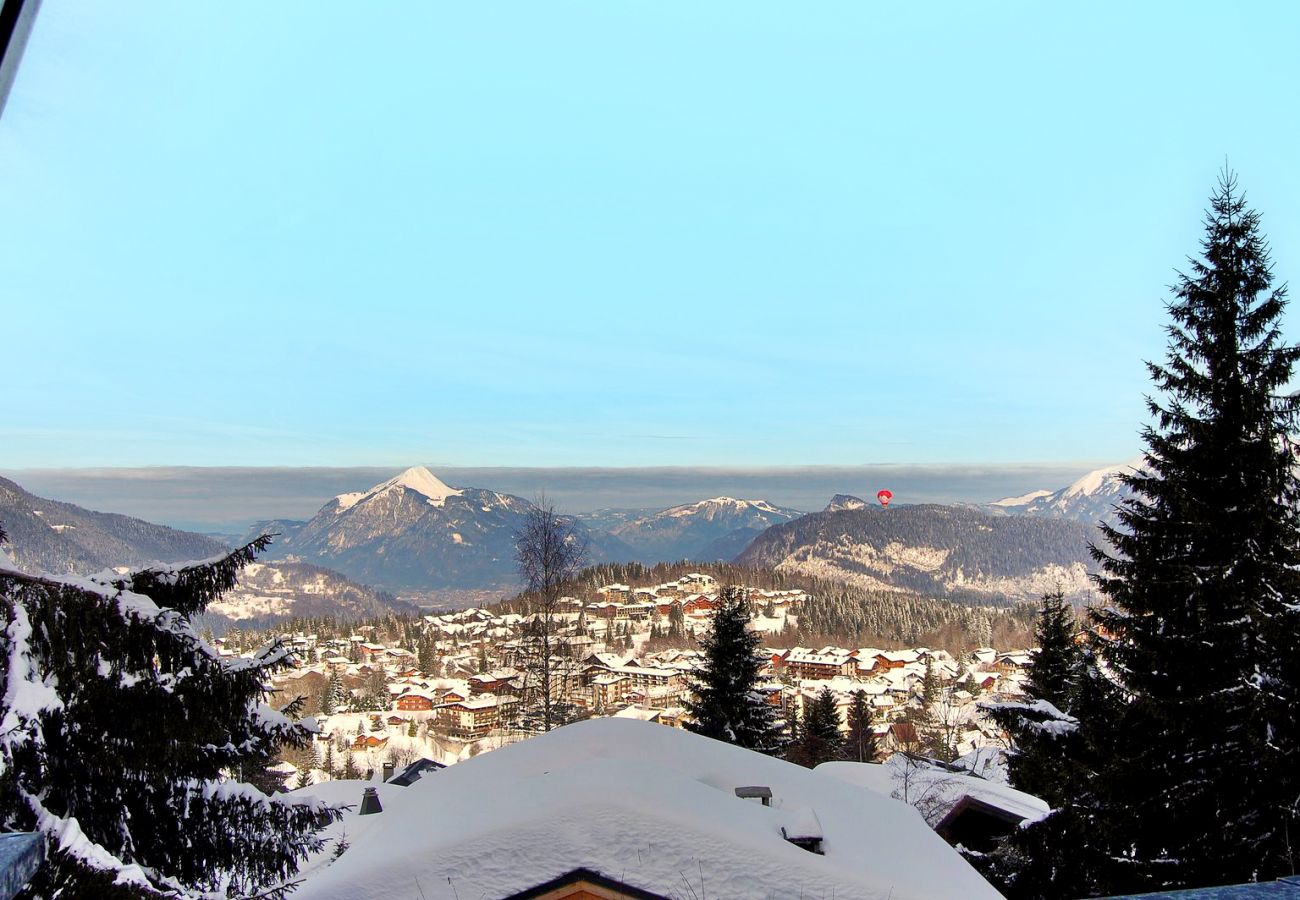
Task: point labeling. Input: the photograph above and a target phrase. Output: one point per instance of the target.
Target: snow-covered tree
(725, 703)
(122, 729)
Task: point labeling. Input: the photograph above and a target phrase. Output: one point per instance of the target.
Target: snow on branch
(190, 587)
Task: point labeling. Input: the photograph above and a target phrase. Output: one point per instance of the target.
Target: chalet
(396, 721)
(414, 702)
(372, 651)
(369, 742)
(699, 605)
(1008, 663)
(902, 736)
(499, 681)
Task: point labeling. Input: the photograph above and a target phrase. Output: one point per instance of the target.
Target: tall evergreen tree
(724, 702)
(860, 743)
(122, 726)
(1203, 583)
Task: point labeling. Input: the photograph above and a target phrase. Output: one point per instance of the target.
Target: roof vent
(804, 831)
(370, 802)
(755, 792)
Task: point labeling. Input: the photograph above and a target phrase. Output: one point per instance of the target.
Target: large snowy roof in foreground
(651, 806)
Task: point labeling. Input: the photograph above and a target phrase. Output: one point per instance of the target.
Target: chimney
(388, 771)
(370, 802)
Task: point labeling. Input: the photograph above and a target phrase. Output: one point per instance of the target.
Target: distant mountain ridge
(62, 538)
(706, 531)
(937, 551)
(1090, 499)
(413, 532)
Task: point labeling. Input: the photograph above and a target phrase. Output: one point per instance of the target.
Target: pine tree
(123, 720)
(860, 743)
(929, 685)
(1051, 687)
(725, 703)
(1203, 619)
(819, 739)
(413, 730)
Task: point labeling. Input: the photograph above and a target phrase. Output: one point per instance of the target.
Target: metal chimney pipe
(370, 802)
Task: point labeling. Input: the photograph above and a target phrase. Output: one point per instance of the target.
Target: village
(471, 685)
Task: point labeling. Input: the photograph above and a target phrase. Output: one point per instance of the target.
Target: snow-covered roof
(645, 803)
(943, 787)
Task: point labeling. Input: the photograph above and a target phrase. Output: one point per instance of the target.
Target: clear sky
(617, 234)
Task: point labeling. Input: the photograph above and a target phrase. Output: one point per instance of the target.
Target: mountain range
(415, 534)
(706, 531)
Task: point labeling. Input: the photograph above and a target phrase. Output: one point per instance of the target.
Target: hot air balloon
(884, 497)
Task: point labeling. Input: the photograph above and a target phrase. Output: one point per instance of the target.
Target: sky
(574, 234)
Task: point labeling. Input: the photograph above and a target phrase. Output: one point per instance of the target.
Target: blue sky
(615, 234)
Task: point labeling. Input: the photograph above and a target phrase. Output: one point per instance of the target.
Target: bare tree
(550, 552)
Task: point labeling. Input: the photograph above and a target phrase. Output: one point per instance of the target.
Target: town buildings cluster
(467, 688)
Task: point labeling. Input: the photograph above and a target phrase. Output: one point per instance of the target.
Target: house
(902, 736)
(517, 822)
(414, 702)
(962, 808)
(369, 742)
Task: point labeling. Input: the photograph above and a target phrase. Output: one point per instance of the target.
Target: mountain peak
(416, 478)
(846, 501)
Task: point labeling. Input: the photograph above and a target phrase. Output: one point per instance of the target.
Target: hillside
(61, 538)
(938, 551)
(277, 591)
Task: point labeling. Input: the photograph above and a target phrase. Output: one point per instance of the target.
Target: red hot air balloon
(884, 497)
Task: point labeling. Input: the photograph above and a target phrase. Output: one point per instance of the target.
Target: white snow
(648, 805)
(1022, 499)
(416, 478)
(1092, 482)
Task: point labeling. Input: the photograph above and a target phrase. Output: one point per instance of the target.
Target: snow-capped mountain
(61, 538)
(938, 551)
(415, 533)
(705, 531)
(1091, 499)
(845, 501)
